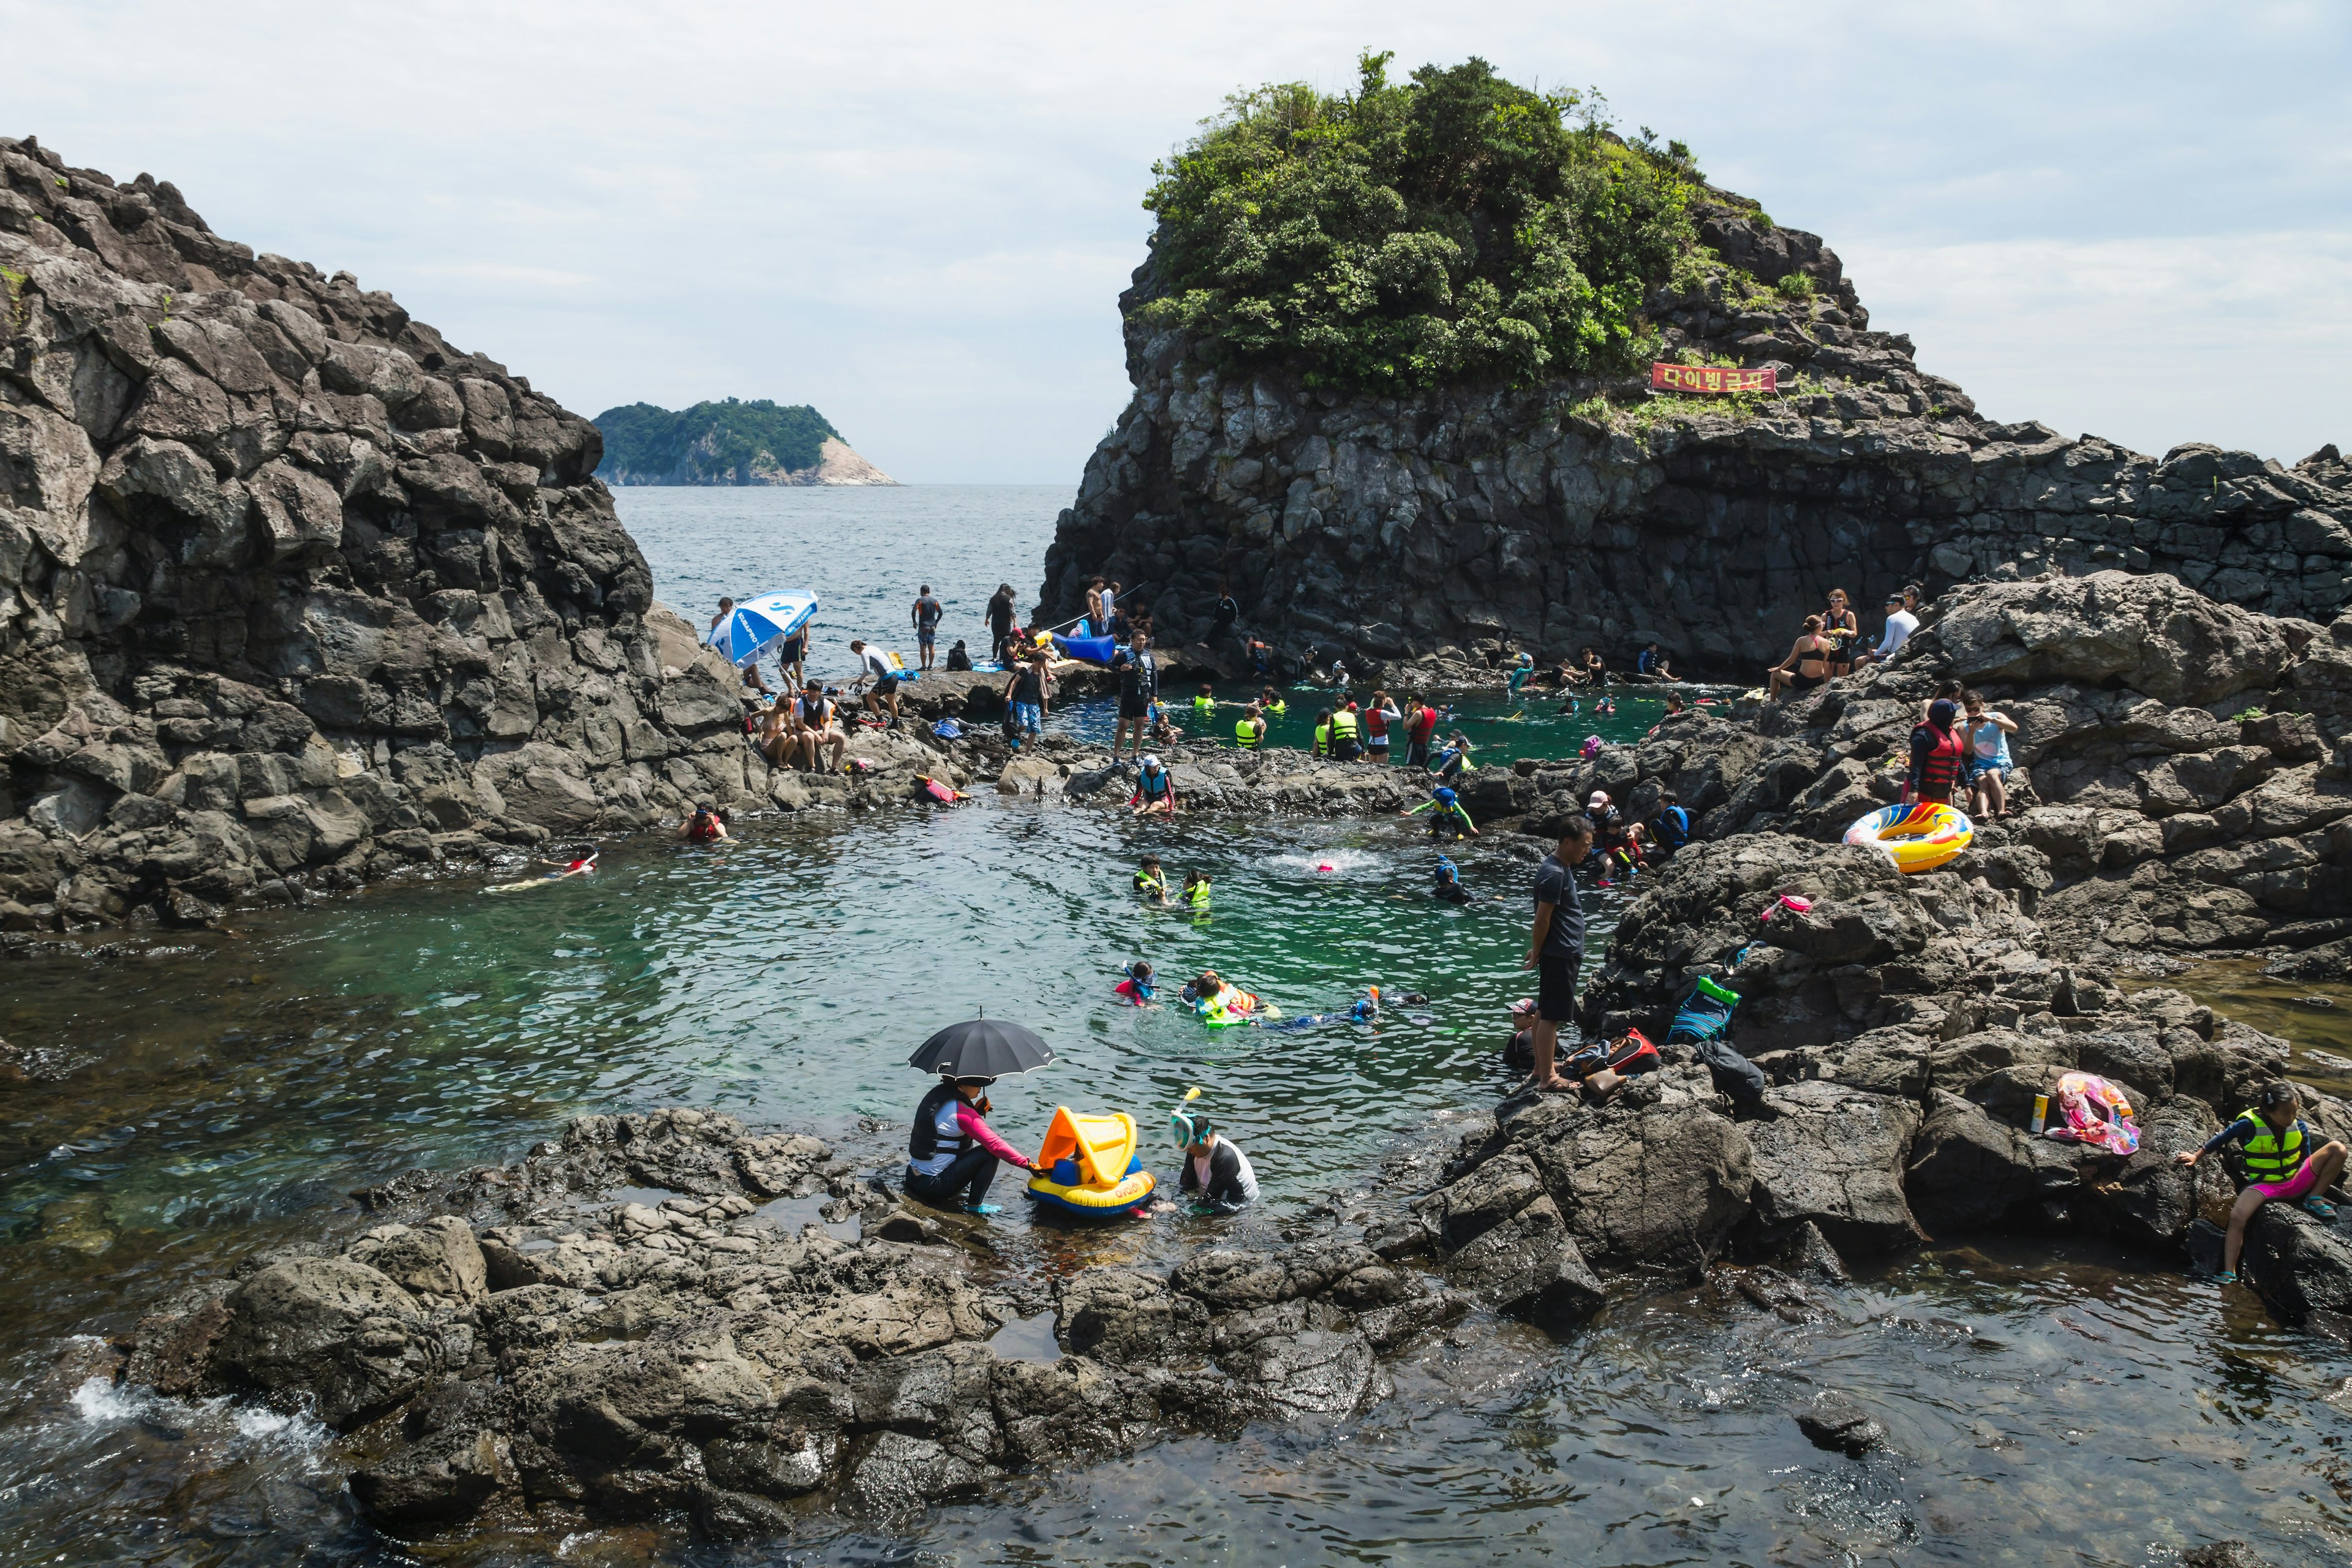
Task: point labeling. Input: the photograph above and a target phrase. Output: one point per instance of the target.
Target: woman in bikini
(1810, 655)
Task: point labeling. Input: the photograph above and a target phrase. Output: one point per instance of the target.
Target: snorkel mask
(1186, 1125)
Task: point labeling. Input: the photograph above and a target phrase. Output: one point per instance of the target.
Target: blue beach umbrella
(758, 624)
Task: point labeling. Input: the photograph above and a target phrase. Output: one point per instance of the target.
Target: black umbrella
(981, 1048)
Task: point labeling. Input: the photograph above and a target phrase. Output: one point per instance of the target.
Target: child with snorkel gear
(1216, 1173)
(1450, 816)
(2281, 1166)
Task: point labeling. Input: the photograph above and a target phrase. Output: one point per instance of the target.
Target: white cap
(1599, 798)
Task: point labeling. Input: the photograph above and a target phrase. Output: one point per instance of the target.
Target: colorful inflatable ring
(1915, 837)
(1089, 1166)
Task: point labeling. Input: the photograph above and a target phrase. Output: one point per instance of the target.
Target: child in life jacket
(1151, 881)
(2284, 1162)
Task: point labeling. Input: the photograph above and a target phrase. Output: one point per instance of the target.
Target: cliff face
(292, 591)
(1475, 520)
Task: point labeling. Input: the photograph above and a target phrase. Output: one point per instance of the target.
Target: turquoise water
(184, 1103)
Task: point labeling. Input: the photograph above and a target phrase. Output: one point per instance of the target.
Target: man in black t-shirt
(1138, 688)
(1556, 950)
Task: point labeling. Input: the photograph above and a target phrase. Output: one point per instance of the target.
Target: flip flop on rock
(2227, 1277)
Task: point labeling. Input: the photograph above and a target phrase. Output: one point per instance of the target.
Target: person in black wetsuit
(1216, 1173)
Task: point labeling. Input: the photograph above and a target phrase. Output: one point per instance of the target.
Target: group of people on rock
(1826, 649)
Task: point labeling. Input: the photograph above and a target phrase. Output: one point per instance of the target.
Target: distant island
(729, 443)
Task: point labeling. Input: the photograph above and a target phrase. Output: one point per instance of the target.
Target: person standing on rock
(2282, 1165)
(1939, 756)
(1419, 729)
(952, 1153)
(1556, 950)
(1345, 747)
(1024, 697)
(1842, 628)
(926, 616)
(1380, 713)
(999, 621)
(1228, 610)
(882, 702)
(1097, 623)
(1139, 688)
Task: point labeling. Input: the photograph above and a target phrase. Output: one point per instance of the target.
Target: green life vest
(1197, 895)
(1343, 725)
(1245, 734)
(1146, 882)
(2272, 1155)
(1277, 707)
(1204, 705)
(1322, 740)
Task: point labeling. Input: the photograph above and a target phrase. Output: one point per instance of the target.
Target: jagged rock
(1969, 1170)
(442, 1480)
(1835, 1157)
(328, 1329)
(2300, 1266)
(1661, 1186)
(1529, 1264)
(437, 1262)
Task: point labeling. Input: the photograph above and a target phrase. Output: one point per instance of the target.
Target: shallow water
(186, 1103)
(2314, 1016)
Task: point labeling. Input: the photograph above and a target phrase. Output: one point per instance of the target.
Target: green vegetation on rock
(726, 442)
(1455, 227)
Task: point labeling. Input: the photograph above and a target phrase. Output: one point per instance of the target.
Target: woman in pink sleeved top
(952, 1152)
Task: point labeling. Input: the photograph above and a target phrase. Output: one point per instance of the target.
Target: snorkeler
(1137, 987)
(1365, 1010)
(1521, 673)
(1449, 889)
(1215, 1172)
(703, 825)
(1450, 818)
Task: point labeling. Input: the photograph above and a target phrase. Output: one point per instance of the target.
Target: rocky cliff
(291, 590)
(1472, 518)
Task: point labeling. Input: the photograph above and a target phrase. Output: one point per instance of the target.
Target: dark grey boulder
(1835, 1422)
(1835, 1157)
(330, 1330)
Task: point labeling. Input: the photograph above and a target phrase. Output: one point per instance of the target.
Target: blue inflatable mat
(1093, 650)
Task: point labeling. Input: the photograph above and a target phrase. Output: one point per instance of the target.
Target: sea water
(181, 1102)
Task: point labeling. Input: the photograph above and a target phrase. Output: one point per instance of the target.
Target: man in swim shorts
(1139, 688)
(2284, 1162)
(927, 613)
(882, 702)
(1024, 695)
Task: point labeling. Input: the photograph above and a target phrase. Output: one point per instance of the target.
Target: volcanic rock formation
(1472, 520)
(291, 588)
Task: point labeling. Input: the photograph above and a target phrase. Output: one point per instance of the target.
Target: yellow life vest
(1197, 895)
(1322, 740)
(1277, 706)
(1245, 734)
(1204, 705)
(1145, 882)
(2272, 1155)
(1343, 725)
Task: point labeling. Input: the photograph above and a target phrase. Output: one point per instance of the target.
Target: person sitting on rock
(2283, 1164)
(1900, 624)
(703, 825)
(1450, 818)
(1215, 1172)
(1939, 756)
(1986, 732)
(815, 726)
(1155, 789)
(1671, 828)
(1807, 665)
(952, 1153)
(959, 657)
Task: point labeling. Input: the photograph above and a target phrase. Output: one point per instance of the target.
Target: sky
(2133, 220)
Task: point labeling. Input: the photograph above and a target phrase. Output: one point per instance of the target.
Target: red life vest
(1425, 723)
(1376, 723)
(1939, 770)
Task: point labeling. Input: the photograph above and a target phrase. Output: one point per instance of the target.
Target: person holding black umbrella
(952, 1153)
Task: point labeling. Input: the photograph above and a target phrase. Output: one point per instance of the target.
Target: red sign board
(1711, 380)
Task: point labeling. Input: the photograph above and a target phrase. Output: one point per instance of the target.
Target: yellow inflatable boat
(1089, 1166)
(1917, 838)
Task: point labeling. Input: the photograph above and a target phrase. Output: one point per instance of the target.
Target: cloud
(919, 216)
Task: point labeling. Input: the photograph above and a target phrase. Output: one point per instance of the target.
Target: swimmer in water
(1449, 889)
(1571, 706)
(582, 862)
(1365, 1010)
(1138, 987)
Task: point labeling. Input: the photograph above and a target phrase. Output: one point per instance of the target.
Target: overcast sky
(2132, 220)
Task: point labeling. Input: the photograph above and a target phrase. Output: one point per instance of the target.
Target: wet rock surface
(555, 1357)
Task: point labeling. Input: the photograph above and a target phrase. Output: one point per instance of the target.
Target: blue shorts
(1978, 770)
(1028, 719)
(926, 638)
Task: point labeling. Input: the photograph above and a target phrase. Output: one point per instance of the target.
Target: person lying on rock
(952, 1153)
(2283, 1164)
(703, 825)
